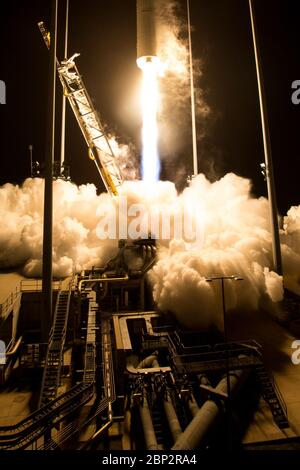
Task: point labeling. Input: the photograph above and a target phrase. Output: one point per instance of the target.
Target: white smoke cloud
(291, 249)
(126, 158)
(236, 241)
(75, 243)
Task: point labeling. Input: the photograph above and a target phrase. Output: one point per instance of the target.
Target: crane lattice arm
(88, 120)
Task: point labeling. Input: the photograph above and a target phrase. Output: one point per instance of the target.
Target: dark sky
(103, 31)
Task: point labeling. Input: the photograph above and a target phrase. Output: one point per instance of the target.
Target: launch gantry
(88, 119)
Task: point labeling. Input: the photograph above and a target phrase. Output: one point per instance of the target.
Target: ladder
(54, 357)
(273, 397)
(158, 426)
(88, 119)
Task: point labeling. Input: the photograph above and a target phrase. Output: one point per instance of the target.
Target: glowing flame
(149, 101)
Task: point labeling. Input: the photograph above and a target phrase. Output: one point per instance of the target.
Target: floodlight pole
(64, 99)
(193, 110)
(269, 171)
(46, 314)
(227, 355)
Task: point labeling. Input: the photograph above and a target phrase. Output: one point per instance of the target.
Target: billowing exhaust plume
(235, 240)
(75, 243)
(126, 158)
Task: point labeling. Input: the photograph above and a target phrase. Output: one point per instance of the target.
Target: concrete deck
(276, 344)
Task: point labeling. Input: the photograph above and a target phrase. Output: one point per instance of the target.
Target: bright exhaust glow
(149, 102)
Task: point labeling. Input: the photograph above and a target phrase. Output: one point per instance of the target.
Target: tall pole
(227, 356)
(193, 111)
(30, 147)
(46, 316)
(277, 261)
(63, 112)
(228, 403)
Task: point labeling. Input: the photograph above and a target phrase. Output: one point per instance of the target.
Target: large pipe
(172, 418)
(175, 428)
(149, 433)
(277, 260)
(146, 32)
(149, 361)
(154, 369)
(14, 349)
(126, 438)
(193, 406)
(100, 280)
(206, 416)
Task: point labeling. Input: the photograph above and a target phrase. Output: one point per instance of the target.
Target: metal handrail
(277, 391)
(12, 347)
(211, 356)
(280, 397)
(36, 285)
(25, 285)
(7, 305)
(63, 336)
(110, 395)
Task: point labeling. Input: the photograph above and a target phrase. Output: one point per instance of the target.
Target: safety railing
(34, 285)
(278, 392)
(73, 428)
(8, 304)
(245, 354)
(26, 285)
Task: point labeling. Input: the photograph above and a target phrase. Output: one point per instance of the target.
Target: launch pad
(118, 374)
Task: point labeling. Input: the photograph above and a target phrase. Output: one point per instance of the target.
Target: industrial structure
(88, 119)
(114, 365)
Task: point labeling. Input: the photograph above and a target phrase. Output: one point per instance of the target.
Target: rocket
(146, 32)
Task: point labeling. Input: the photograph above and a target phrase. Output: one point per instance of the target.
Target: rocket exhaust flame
(149, 103)
(148, 62)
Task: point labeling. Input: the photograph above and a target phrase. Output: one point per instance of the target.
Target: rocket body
(146, 32)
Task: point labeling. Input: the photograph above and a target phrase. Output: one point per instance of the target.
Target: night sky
(104, 32)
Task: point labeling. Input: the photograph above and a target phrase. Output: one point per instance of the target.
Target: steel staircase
(22, 434)
(273, 397)
(54, 357)
(29, 430)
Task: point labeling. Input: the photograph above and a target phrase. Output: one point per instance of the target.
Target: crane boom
(88, 120)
